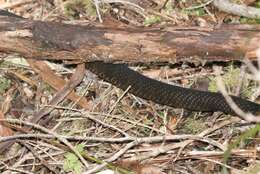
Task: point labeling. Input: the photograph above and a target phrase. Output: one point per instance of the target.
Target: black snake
(123, 77)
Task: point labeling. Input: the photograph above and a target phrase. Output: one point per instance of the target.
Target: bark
(49, 40)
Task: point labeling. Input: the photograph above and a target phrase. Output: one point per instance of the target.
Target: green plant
(194, 126)
(244, 20)
(73, 8)
(251, 133)
(231, 78)
(4, 84)
(152, 20)
(257, 4)
(72, 163)
(169, 8)
(195, 12)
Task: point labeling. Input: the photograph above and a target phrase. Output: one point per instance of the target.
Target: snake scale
(178, 97)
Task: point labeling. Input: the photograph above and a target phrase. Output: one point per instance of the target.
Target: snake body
(123, 77)
(178, 97)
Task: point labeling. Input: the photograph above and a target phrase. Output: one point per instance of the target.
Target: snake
(159, 92)
(162, 93)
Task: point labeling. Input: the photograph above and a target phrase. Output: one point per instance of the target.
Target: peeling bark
(49, 40)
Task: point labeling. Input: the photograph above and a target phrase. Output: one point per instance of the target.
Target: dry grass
(121, 130)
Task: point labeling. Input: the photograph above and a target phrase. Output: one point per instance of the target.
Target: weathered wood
(49, 40)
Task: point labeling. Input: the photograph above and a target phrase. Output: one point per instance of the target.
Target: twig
(119, 99)
(134, 123)
(15, 4)
(246, 116)
(241, 80)
(236, 9)
(237, 152)
(36, 155)
(124, 2)
(107, 125)
(217, 162)
(98, 11)
(199, 6)
(165, 149)
(43, 129)
(113, 158)
(154, 139)
(85, 113)
(17, 163)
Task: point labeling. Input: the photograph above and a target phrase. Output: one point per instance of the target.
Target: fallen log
(58, 41)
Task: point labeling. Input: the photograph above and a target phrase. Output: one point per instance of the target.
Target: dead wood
(49, 40)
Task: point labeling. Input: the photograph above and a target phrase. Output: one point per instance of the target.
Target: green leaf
(80, 148)
(72, 163)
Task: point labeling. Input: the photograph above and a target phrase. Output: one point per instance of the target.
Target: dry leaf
(4, 131)
(149, 169)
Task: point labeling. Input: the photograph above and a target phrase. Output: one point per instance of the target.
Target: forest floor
(122, 133)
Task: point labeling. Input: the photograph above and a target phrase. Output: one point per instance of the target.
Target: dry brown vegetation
(99, 126)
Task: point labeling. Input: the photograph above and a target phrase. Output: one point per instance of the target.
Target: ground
(119, 131)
